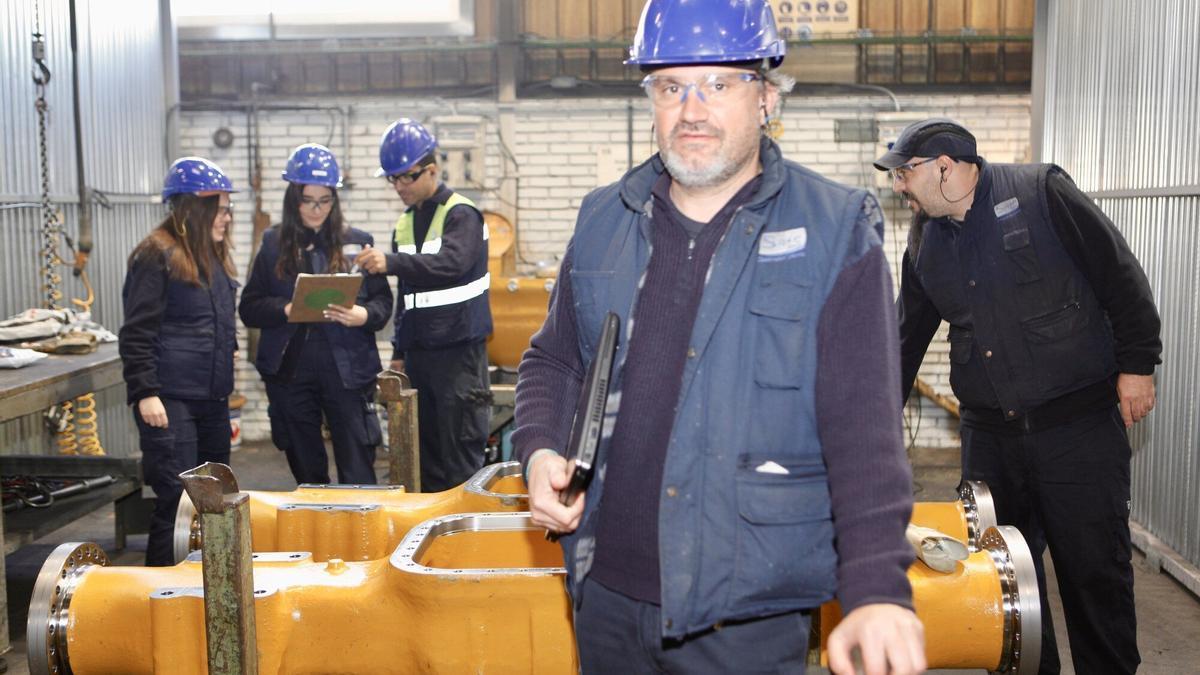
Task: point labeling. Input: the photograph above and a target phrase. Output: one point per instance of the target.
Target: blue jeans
(196, 432)
(617, 634)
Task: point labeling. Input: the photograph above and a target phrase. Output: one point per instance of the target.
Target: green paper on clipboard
(315, 292)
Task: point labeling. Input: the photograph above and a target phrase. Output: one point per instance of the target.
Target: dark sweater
(627, 532)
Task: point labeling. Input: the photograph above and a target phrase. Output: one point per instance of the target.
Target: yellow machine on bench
(455, 592)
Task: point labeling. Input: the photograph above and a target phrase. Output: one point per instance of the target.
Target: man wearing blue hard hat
(439, 256)
(1054, 338)
(749, 391)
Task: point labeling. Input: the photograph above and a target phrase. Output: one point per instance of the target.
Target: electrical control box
(462, 149)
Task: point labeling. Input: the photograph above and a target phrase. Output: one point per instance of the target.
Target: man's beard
(721, 168)
(916, 232)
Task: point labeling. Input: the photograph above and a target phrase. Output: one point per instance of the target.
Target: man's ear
(768, 103)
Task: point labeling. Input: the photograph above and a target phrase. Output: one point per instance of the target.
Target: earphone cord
(942, 189)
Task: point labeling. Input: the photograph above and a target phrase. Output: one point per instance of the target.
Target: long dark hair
(292, 229)
(185, 235)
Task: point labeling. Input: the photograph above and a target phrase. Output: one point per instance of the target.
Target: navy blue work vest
(197, 338)
(1025, 325)
(733, 542)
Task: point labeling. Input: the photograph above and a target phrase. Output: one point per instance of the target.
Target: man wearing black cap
(1054, 337)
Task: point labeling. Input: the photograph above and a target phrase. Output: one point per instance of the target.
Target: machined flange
(1022, 651)
(979, 508)
(49, 606)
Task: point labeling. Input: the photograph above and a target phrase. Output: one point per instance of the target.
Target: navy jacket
(265, 295)
(178, 340)
(753, 486)
(1043, 296)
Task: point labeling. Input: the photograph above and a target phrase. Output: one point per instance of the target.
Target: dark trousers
(1068, 487)
(297, 405)
(617, 634)
(453, 411)
(196, 432)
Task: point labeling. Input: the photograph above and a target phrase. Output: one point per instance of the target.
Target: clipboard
(316, 291)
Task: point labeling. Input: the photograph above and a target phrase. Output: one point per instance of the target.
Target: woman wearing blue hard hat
(324, 368)
(179, 337)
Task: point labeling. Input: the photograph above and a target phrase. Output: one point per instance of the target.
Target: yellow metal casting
(984, 614)
(423, 610)
(966, 519)
(357, 522)
(519, 306)
(461, 593)
(366, 522)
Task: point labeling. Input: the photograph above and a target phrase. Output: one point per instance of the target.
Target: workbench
(33, 389)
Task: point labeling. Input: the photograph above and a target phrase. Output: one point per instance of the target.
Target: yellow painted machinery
(365, 522)
(356, 522)
(463, 593)
(519, 303)
(983, 614)
(966, 519)
(479, 592)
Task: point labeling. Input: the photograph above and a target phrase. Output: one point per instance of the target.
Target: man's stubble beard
(720, 169)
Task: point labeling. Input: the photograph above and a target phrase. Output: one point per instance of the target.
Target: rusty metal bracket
(404, 441)
(227, 568)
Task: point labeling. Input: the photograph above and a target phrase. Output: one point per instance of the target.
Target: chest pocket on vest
(781, 304)
(1021, 255)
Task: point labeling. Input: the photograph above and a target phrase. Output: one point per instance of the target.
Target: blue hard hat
(685, 32)
(403, 145)
(195, 175)
(313, 164)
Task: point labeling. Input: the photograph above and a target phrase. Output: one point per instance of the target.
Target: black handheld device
(589, 416)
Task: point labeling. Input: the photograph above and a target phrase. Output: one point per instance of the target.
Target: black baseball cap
(929, 138)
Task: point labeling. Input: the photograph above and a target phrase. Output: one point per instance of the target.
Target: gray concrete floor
(1168, 615)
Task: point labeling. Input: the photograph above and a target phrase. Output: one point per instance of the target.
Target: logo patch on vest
(783, 245)
(1008, 207)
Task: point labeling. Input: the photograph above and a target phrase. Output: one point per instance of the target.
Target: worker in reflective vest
(439, 256)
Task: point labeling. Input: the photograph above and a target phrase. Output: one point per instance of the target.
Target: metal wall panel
(1121, 100)
(123, 112)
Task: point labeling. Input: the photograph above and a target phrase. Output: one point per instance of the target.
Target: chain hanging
(51, 226)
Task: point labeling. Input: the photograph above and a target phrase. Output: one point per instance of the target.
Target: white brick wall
(557, 145)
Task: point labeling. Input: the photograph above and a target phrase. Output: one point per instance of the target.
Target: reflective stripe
(410, 249)
(448, 296)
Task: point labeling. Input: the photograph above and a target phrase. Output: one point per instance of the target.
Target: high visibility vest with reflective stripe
(405, 243)
(469, 292)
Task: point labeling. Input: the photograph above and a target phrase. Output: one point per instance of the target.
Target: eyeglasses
(899, 173)
(714, 88)
(408, 178)
(225, 210)
(316, 204)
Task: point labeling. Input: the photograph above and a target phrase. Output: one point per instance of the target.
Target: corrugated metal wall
(122, 104)
(1121, 104)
